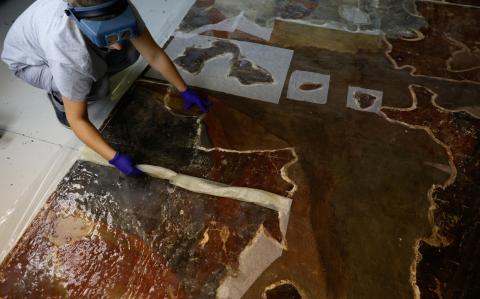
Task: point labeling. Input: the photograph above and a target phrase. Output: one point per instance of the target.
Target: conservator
(70, 49)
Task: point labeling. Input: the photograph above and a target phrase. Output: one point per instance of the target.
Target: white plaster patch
(317, 96)
(353, 101)
(214, 74)
(254, 259)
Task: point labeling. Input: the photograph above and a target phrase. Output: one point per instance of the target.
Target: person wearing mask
(71, 48)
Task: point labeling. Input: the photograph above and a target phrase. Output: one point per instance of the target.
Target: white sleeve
(70, 82)
(70, 62)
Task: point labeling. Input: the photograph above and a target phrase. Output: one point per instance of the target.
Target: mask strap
(114, 7)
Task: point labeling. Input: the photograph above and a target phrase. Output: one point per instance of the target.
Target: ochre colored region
(442, 50)
(292, 35)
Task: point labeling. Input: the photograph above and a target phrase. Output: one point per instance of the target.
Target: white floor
(35, 150)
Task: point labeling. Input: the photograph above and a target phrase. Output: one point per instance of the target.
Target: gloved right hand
(125, 164)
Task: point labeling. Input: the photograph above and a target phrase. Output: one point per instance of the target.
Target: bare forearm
(89, 135)
(158, 59)
(165, 66)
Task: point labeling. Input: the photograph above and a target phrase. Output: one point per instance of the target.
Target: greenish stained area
(393, 17)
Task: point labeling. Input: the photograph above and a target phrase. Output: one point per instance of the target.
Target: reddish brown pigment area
(329, 175)
(141, 238)
(457, 130)
(446, 51)
(283, 291)
(449, 271)
(107, 264)
(223, 119)
(257, 170)
(364, 100)
(220, 122)
(230, 128)
(123, 264)
(310, 86)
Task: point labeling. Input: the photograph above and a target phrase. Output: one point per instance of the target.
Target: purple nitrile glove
(192, 98)
(124, 163)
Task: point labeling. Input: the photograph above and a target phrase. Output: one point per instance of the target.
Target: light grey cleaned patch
(354, 15)
(366, 100)
(309, 87)
(239, 22)
(214, 74)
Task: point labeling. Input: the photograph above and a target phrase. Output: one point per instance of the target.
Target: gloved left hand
(192, 98)
(125, 164)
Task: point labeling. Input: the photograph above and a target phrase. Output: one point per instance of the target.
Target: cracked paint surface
(383, 204)
(104, 235)
(139, 237)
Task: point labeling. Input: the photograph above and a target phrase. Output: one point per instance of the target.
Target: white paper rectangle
(353, 103)
(214, 74)
(317, 96)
